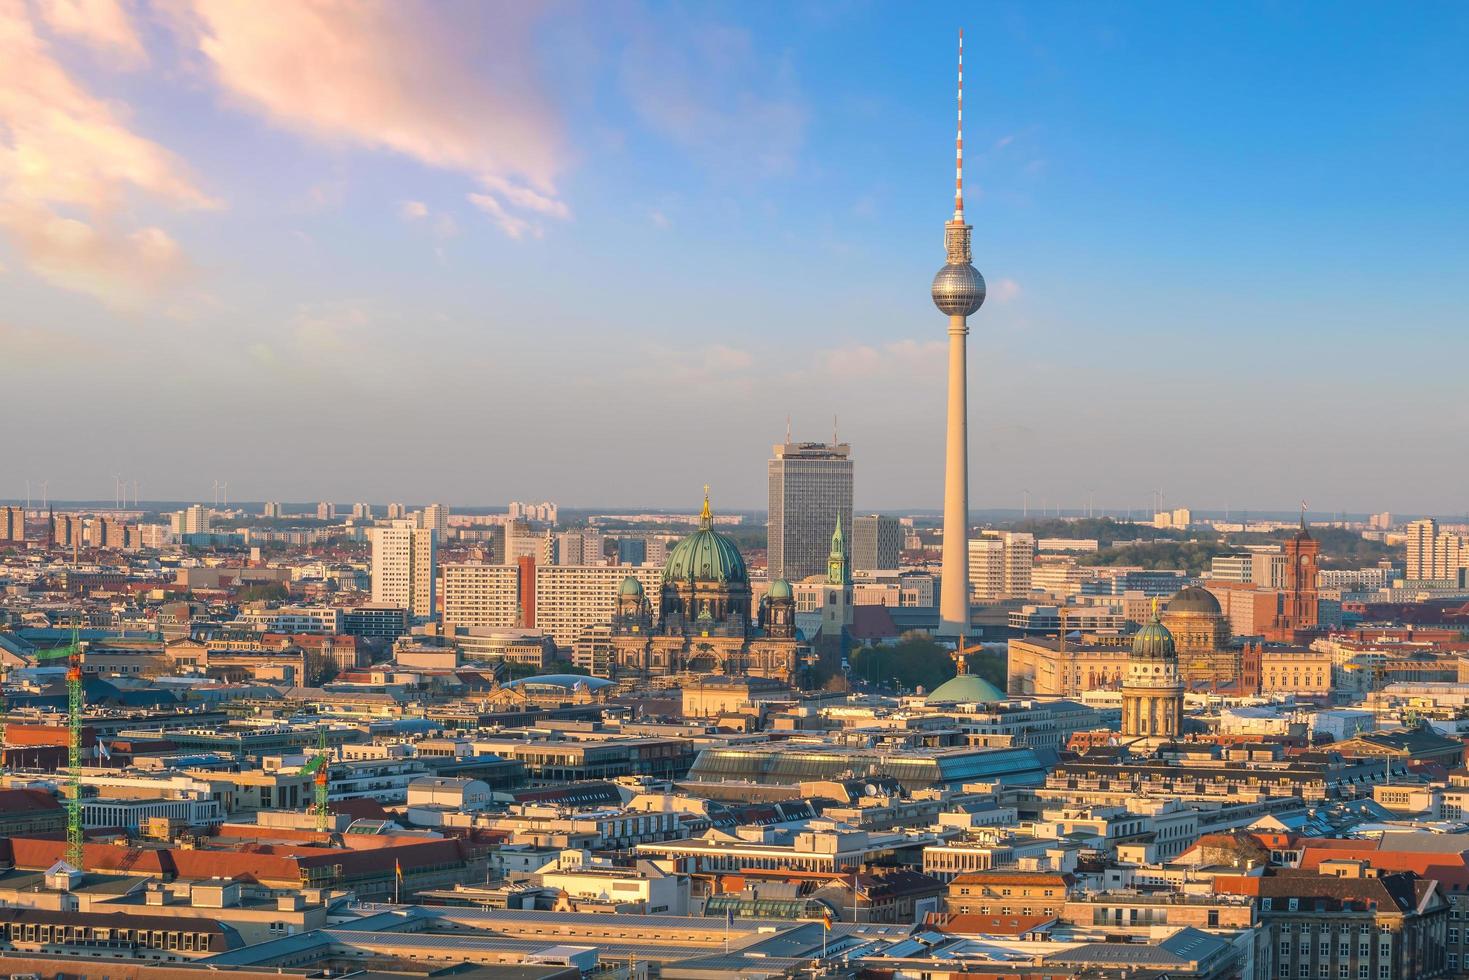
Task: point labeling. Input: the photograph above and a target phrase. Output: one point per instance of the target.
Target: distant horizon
(379, 508)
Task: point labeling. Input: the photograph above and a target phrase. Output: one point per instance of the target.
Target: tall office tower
(958, 291)
(404, 559)
(396, 512)
(361, 512)
(435, 517)
(810, 490)
(876, 542)
(272, 509)
(12, 524)
(1001, 564)
(326, 511)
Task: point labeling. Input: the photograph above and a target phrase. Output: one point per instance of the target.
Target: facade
(12, 524)
(704, 622)
(1433, 553)
(810, 489)
(435, 517)
(1000, 565)
(877, 541)
(564, 601)
(404, 567)
(1152, 694)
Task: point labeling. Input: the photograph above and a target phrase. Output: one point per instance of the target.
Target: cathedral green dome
(1153, 642)
(706, 556)
(780, 589)
(631, 586)
(965, 689)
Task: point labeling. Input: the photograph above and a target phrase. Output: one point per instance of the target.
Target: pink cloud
(456, 94)
(102, 24)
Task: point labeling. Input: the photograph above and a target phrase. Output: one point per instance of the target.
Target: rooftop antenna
(959, 141)
(788, 428)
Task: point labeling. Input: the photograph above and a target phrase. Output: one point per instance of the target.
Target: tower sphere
(958, 289)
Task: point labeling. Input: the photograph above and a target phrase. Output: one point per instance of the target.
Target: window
(1454, 935)
(1346, 949)
(1344, 971)
(1364, 949)
(1285, 948)
(1285, 969)
(1325, 949)
(1362, 972)
(1305, 970)
(1384, 972)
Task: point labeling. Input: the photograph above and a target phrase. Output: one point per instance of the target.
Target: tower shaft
(954, 587)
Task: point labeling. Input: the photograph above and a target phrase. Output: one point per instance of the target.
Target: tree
(916, 660)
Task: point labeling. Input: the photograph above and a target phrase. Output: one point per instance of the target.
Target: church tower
(836, 596)
(1152, 693)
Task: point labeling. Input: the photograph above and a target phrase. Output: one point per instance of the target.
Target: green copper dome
(780, 589)
(1153, 642)
(965, 689)
(631, 586)
(705, 556)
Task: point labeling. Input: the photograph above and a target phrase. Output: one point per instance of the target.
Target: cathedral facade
(706, 623)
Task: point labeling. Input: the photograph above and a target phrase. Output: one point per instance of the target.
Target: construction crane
(321, 769)
(73, 655)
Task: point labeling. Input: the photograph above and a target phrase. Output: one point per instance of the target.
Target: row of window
(1384, 972)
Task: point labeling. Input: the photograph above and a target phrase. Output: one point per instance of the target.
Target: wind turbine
(216, 493)
(45, 494)
(1025, 504)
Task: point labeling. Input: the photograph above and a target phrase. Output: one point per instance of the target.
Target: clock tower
(1302, 562)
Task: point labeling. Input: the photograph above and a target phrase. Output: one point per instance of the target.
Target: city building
(703, 622)
(435, 517)
(877, 541)
(810, 490)
(1001, 564)
(1434, 554)
(404, 567)
(12, 524)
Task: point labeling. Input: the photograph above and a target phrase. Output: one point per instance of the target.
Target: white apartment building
(573, 598)
(523, 541)
(326, 511)
(580, 547)
(481, 596)
(1434, 553)
(1268, 569)
(404, 559)
(1000, 564)
(568, 600)
(293, 619)
(435, 517)
(192, 520)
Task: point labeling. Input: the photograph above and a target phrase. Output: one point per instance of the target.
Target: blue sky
(598, 252)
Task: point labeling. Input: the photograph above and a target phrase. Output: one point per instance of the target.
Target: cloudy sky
(597, 252)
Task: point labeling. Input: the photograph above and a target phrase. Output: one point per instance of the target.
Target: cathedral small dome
(1194, 599)
(780, 589)
(631, 587)
(1153, 642)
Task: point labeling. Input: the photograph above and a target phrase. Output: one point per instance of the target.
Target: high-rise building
(435, 517)
(563, 600)
(958, 291)
(1434, 553)
(397, 512)
(404, 559)
(12, 524)
(810, 490)
(1000, 564)
(361, 511)
(326, 511)
(272, 509)
(876, 542)
(193, 520)
(580, 547)
(632, 551)
(523, 541)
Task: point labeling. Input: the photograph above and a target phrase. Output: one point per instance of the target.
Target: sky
(599, 252)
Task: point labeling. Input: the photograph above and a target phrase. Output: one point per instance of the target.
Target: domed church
(705, 623)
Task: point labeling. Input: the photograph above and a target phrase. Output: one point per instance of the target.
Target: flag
(826, 920)
(398, 868)
(728, 916)
(102, 749)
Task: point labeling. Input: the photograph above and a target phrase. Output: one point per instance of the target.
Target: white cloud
(413, 210)
(1002, 290)
(455, 93)
(899, 358)
(63, 148)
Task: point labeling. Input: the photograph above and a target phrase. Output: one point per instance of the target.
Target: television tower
(958, 290)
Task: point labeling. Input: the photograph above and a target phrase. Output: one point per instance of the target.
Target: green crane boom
(73, 655)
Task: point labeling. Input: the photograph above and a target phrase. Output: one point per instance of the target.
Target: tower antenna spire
(959, 140)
